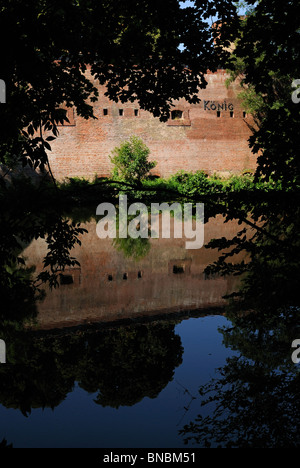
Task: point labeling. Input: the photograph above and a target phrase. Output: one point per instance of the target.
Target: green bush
(190, 183)
(130, 160)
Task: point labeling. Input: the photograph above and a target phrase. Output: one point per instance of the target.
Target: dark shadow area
(253, 402)
(121, 364)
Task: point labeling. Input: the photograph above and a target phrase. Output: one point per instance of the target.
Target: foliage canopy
(130, 47)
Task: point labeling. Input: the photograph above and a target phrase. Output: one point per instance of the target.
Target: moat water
(135, 349)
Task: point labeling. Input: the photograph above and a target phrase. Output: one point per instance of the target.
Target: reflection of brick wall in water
(108, 286)
(210, 136)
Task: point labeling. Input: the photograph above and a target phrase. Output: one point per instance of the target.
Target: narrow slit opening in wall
(136, 112)
(231, 114)
(125, 276)
(244, 114)
(66, 279)
(178, 269)
(218, 113)
(109, 277)
(139, 275)
(176, 115)
(121, 112)
(105, 111)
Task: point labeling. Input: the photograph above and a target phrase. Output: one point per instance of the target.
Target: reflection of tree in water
(31, 212)
(135, 248)
(5, 444)
(253, 402)
(131, 363)
(123, 365)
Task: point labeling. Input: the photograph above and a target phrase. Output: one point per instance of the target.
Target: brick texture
(200, 140)
(109, 286)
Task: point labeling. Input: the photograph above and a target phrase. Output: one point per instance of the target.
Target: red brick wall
(200, 141)
(92, 297)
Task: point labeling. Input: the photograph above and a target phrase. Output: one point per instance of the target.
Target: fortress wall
(199, 141)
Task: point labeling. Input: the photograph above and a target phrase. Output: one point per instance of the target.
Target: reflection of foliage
(135, 248)
(272, 247)
(254, 408)
(4, 444)
(61, 237)
(18, 296)
(138, 362)
(28, 213)
(123, 364)
(254, 401)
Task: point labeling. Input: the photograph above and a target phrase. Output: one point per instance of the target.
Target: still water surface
(122, 351)
(152, 422)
